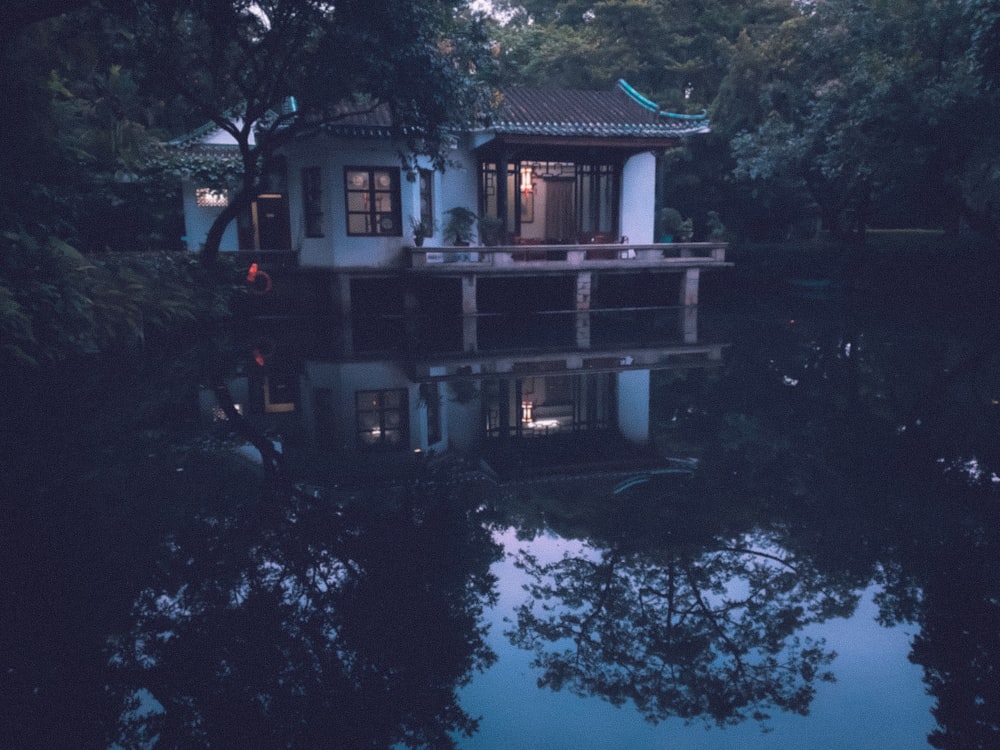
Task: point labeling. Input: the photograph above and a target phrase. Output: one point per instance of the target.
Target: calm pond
(797, 549)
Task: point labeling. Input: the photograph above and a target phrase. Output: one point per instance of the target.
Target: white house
(555, 167)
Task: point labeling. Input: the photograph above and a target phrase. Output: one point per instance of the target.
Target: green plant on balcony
(668, 224)
(490, 230)
(716, 229)
(421, 230)
(459, 225)
(671, 226)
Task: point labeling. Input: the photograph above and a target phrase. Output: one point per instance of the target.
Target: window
(312, 201)
(427, 197)
(382, 419)
(373, 201)
(211, 197)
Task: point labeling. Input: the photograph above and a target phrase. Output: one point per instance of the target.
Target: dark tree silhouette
(308, 627)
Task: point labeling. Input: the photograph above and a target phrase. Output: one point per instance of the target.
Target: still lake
(802, 555)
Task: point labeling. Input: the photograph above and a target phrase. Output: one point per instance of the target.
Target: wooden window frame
(312, 201)
(373, 423)
(378, 222)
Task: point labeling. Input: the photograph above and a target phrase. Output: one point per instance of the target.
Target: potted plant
(459, 225)
(716, 229)
(668, 224)
(686, 230)
(421, 230)
(490, 230)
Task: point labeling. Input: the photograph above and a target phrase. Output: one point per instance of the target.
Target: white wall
(638, 207)
(336, 249)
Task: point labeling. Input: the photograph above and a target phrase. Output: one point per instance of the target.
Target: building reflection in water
(517, 390)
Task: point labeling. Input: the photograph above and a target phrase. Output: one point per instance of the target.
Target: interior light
(526, 177)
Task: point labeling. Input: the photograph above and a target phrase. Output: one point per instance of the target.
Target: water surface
(803, 554)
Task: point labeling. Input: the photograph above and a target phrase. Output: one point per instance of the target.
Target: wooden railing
(571, 256)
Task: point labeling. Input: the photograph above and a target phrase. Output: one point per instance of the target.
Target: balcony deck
(544, 259)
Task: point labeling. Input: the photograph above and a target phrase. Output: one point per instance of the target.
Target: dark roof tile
(619, 112)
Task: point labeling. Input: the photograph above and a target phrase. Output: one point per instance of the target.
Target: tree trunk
(240, 201)
(213, 240)
(271, 458)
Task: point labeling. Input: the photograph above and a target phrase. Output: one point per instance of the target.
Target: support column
(583, 287)
(689, 324)
(470, 333)
(470, 324)
(583, 330)
(411, 314)
(469, 295)
(340, 297)
(689, 287)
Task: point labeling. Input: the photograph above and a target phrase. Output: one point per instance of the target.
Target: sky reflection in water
(878, 700)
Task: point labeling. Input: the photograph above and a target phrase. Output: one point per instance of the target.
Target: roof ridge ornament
(653, 106)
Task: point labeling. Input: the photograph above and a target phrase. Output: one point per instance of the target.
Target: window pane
(357, 224)
(368, 421)
(357, 201)
(357, 180)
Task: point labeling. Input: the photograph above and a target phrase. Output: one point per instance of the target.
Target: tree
(674, 51)
(237, 63)
(831, 103)
(16, 14)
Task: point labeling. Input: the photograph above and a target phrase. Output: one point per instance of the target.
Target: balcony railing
(591, 255)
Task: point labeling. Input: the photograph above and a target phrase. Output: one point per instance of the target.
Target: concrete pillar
(470, 333)
(689, 324)
(340, 297)
(469, 295)
(583, 288)
(411, 312)
(689, 287)
(583, 329)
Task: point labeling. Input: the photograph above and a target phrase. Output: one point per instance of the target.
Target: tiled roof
(621, 112)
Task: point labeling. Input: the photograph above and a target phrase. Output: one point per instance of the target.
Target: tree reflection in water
(681, 621)
(298, 626)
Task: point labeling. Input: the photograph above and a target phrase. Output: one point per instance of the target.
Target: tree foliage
(866, 102)
(312, 627)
